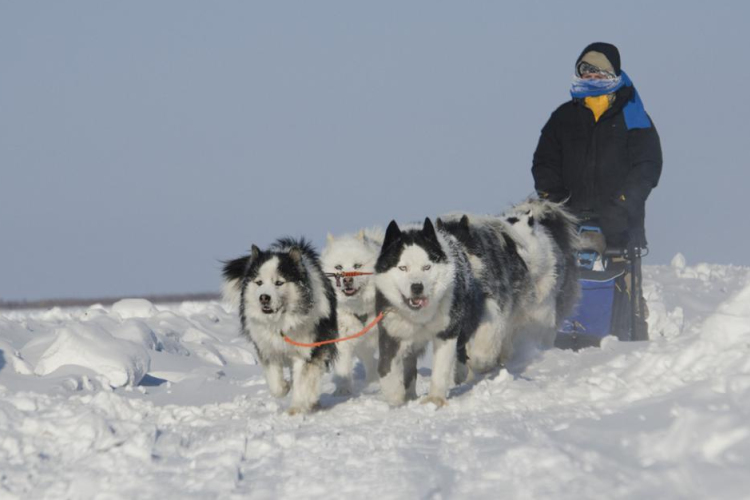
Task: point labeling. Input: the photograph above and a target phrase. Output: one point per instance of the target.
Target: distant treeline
(106, 301)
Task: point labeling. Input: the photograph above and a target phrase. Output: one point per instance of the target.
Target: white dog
(355, 296)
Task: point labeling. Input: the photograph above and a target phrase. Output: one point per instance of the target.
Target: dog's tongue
(419, 301)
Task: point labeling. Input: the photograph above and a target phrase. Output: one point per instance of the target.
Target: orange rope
(348, 274)
(350, 337)
(351, 274)
(345, 274)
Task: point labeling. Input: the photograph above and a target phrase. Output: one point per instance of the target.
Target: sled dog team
(474, 286)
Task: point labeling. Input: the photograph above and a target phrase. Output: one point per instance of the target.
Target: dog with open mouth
(425, 287)
(355, 301)
(283, 292)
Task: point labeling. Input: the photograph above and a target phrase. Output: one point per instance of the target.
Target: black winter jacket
(601, 168)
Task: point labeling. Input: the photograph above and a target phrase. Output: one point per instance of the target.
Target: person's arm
(622, 217)
(547, 164)
(644, 148)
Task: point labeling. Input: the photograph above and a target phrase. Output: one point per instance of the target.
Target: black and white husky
(428, 293)
(283, 292)
(356, 301)
(503, 274)
(525, 261)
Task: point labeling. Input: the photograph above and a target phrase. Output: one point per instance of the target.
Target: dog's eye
(279, 283)
(426, 268)
(402, 268)
(339, 267)
(259, 283)
(357, 266)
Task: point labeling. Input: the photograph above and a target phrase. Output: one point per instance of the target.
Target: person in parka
(600, 151)
(600, 154)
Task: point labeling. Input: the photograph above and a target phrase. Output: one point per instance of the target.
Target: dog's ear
(254, 252)
(440, 224)
(392, 234)
(235, 269)
(296, 254)
(464, 228)
(330, 238)
(429, 230)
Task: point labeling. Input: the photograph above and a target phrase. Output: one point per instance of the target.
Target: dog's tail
(373, 236)
(233, 272)
(562, 226)
(557, 219)
(287, 243)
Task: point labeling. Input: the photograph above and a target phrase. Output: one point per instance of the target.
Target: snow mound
(731, 321)
(679, 262)
(666, 418)
(136, 331)
(134, 308)
(9, 355)
(121, 362)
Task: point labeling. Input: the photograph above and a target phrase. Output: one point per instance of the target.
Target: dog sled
(611, 294)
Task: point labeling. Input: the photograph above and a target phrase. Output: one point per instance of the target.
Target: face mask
(598, 105)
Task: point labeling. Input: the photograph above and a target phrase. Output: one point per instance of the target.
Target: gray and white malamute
(283, 292)
(548, 242)
(355, 296)
(525, 262)
(428, 293)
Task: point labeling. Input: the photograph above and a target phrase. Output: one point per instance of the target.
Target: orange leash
(346, 274)
(350, 337)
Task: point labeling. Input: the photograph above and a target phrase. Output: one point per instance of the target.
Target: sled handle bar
(624, 252)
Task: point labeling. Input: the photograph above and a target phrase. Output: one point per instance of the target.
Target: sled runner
(610, 282)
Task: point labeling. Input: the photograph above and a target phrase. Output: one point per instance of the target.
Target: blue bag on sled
(603, 296)
(593, 315)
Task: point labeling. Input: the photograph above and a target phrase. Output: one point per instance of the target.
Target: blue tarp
(593, 316)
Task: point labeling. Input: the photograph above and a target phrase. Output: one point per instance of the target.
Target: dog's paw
(438, 401)
(280, 391)
(395, 402)
(295, 410)
(301, 410)
(343, 386)
(343, 390)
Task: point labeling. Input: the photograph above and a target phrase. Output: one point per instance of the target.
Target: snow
(133, 308)
(119, 363)
(166, 401)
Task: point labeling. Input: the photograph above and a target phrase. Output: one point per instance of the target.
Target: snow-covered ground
(149, 401)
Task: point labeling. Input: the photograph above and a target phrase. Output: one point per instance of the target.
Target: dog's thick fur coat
(525, 261)
(356, 302)
(428, 293)
(283, 292)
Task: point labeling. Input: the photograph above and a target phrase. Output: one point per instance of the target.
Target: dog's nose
(265, 299)
(348, 281)
(417, 288)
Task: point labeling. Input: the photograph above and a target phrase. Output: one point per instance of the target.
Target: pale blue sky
(141, 142)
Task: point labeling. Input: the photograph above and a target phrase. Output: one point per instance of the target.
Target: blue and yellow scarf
(635, 114)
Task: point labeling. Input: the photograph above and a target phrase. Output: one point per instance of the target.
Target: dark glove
(615, 223)
(635, 207)
(638, 238)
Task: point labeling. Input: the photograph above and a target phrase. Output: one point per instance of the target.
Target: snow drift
(166, 401)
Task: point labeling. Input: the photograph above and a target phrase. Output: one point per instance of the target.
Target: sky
(142, 143)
